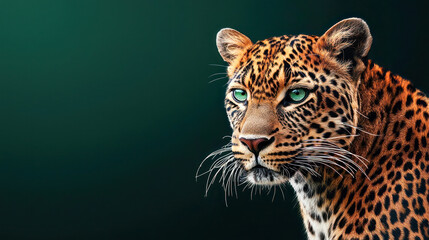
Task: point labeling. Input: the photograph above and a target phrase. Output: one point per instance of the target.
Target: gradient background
(106, 112)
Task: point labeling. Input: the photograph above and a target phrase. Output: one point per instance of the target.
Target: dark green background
(106, 112)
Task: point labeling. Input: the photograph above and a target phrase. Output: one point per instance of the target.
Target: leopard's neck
(385, 116)
(389, 106)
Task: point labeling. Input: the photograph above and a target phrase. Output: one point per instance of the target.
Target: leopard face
(292, 101)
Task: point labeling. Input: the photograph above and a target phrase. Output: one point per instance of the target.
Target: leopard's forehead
(273, 63)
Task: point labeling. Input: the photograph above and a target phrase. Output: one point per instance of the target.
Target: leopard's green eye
(296, 95)
(239, 95)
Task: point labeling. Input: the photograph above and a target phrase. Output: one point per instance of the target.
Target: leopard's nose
(255, 145)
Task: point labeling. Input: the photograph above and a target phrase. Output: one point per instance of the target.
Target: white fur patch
(277, 179)
(309, 206)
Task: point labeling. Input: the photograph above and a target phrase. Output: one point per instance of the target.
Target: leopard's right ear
(231, 44)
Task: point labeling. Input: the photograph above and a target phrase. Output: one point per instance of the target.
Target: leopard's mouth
(260, 175)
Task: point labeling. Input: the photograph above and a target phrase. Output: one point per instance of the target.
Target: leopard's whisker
(230, 181)
(217, 65)
(322, 141)
(360, 129)
(215, 74)
(214, 80)
(220, 163)
(274, 194)
(213, 178)
(336, 150)
(281, 190)
(225, 148)
(306, 166)
(225, 171)
(330, 138)
(339, 158)
(216, 164)
(327, 164)
(332, 159)
(362, 114)
(226, 186)
(233, 181)
(322, 158)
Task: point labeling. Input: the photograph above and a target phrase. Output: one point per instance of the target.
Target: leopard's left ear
(231, 44)
(348, 41)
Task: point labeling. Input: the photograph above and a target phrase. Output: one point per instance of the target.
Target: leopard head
(292, 101)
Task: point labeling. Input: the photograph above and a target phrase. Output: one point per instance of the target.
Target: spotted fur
(355, 150)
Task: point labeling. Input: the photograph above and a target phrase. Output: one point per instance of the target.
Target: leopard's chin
(265, 177)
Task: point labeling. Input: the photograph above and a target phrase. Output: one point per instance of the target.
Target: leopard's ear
(348, 41)
(231, 44)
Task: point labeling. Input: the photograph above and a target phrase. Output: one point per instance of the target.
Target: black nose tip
(256, 145)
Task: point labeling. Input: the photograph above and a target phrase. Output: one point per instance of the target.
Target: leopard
(349, 136)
